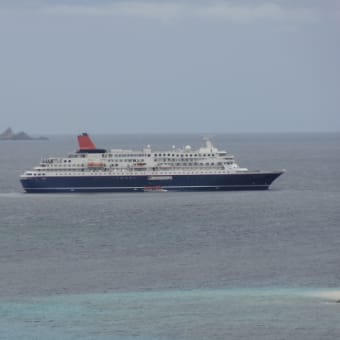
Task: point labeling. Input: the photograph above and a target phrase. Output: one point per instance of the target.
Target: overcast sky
(114, 66)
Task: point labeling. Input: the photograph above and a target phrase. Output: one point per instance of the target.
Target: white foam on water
(331, 294)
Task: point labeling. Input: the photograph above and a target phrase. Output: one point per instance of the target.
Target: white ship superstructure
(205, 160)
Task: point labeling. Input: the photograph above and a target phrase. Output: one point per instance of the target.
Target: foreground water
(199, 314)
(238, 265)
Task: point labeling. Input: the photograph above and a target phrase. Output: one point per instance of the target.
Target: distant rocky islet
(9, 134)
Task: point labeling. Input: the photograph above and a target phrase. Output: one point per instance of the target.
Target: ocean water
(175, 266)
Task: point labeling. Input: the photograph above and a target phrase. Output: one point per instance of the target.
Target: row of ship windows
(157, 155)
(142, 160)
(126, 160)
(176, 159)
(117, 165)
(109, 155)
(169, 163)
(184, 155)
(194, 164)
(134, 161)
(156, 160)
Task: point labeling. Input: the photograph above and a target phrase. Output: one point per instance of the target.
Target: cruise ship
(91, 169)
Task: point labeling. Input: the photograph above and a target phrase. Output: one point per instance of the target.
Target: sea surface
(175, 266)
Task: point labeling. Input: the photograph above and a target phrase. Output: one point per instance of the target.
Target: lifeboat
(139, 166)
(96, 165)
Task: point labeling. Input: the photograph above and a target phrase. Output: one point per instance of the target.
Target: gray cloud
(111, 66)
(238, 11)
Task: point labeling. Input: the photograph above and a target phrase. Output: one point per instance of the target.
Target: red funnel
(85, 142)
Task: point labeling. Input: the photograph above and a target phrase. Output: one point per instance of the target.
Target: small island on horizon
(9, 134)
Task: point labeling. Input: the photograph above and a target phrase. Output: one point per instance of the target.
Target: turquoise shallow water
(169, 315)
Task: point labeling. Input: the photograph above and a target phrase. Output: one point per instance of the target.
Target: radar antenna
(208, 142)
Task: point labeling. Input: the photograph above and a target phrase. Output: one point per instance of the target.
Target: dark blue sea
(175, 266)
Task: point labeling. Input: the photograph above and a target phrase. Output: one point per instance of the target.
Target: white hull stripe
(150, 186)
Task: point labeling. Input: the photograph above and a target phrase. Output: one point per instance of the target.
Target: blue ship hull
(142, 183)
